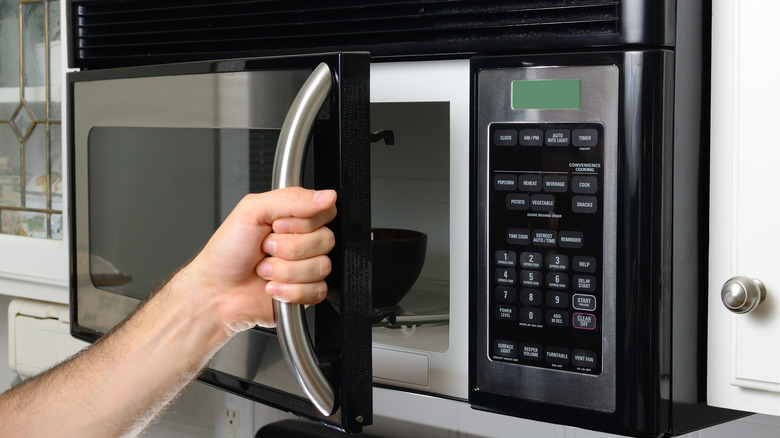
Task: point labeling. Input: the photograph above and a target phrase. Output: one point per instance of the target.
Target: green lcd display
(546, 94)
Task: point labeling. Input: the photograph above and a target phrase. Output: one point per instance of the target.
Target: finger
(292, 202)
(298, 271)
(304, 225)
(298, 293)
(299, 246)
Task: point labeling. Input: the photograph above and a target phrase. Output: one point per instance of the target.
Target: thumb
(290, 202)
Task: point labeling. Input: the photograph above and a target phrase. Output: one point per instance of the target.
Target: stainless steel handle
(742, 294)
(288, 172)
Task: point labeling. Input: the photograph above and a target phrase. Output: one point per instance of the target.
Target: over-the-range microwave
(552, 152)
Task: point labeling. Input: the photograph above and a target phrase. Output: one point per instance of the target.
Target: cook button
(584, 321)
(505, 137)
(584, 358)
(556, 355)
(585, 137)
(584, 184)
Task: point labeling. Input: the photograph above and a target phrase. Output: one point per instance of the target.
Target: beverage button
(584, 321)
(505, 258)
(505, 137)
(570, 239)
(584, 264)
(555, 183)
(556, 355)
(530, 137)
(530, 351)
(584, 204)
(542, 202)
(505, 182)
(504, 348)
(517, 201)
(557, 137)
(583, 302)
(584, 358)
(529, 183)
(557, 318)
(585, 138)
(587, 185)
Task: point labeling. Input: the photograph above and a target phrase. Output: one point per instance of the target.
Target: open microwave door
(160, 155)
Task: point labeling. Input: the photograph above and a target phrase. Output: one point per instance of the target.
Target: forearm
(119, 385)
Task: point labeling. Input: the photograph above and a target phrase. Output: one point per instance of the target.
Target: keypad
(546, 236)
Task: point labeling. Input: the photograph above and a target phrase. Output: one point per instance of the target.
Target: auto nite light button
(584, 321)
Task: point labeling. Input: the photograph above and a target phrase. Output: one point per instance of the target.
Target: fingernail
(269, 245)
(275, 290)
(323, 196)
(264, 269)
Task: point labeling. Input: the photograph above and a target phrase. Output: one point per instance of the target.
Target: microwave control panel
(546, 239)
(546, 151)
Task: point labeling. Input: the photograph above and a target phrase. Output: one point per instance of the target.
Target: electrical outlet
(234, 417)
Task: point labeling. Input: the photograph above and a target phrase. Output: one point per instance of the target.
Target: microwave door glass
(157, 195)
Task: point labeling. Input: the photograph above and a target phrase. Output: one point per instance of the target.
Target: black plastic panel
(134, 32)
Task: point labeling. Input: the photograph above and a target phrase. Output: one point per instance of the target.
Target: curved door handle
(288, 172)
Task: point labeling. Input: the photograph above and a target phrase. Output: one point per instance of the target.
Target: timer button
(585, 138)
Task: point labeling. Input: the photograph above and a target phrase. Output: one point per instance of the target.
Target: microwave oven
(553, 152)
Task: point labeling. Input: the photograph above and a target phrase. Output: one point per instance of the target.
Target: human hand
(244, 265)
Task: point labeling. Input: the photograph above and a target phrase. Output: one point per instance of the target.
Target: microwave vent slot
(111, 33)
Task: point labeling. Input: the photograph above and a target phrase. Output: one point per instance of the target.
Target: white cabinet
(744, 349)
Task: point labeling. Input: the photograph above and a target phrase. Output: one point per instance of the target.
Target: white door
(744, 349)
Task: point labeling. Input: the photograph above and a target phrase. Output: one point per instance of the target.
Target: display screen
(546, 94)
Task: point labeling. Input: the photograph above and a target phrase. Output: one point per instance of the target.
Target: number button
(506, 258)
(557, 299)
(506, 294)
(530, 297)
(557, 262)
(557, 280)
(531, 278)
(530, 315)
(506, 276)
(531, 260)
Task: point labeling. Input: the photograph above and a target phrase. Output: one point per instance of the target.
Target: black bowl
(398, 257)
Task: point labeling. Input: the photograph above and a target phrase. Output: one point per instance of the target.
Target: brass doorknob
(742, 294)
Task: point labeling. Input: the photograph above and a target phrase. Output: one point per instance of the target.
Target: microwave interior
(410, 190)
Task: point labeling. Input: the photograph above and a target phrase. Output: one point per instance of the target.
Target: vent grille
(196, 29)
